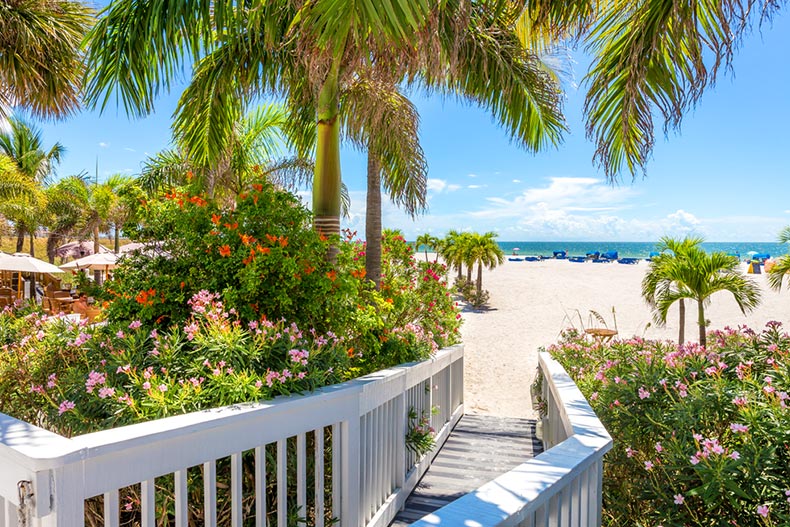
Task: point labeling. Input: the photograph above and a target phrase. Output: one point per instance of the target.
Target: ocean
(636, 249)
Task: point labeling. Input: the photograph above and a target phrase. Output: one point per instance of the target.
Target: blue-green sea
(636, 249)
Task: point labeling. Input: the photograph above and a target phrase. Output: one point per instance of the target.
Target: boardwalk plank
(479, 450)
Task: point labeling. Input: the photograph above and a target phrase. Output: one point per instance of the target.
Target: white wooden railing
(560, 487)
(45, 479)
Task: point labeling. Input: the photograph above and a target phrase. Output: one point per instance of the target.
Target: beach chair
(531, 258)
(609, 255)
(515, 259)
(577, 259)
(628, 261)
(560, 255)
(594, 255)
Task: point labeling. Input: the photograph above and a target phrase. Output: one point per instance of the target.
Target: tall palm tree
(450, 249)
(781, 269)
(23, 144)
(691, 273)
(426, 241)
(40, 59)
(309, 52)
(485, 251)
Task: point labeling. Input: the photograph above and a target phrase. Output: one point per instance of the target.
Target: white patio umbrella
(94, 262)
(24, 263)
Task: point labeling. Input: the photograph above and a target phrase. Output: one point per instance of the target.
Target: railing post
(68, 505)
(350, 485)
(400, 439)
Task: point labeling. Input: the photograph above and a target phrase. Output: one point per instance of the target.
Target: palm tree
(691, 273)
(427, 241)
(40, 59)
(782, 267)
(658, 280)
(450, 249)
(309, 52)
(648, 58)
(23, 144)
(486, 252)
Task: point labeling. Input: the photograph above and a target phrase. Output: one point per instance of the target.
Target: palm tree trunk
(469, 272)
(682, 322)
(703, 341)
(32, 244)
(20, 238)
(479, 278)
(96, 273)
(373, 221)
(326, 178)
(117, 247)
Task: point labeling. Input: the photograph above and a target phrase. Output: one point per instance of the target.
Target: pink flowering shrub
(74, 378)
(701, 436)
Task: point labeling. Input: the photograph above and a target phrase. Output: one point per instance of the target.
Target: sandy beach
(532, 302)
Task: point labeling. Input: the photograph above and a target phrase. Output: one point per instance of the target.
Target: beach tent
(94, 262)
(609, 255)
(78, 249)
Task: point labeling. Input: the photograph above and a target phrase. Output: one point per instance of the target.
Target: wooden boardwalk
(480, 448)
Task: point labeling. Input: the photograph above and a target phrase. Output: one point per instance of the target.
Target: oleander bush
(701, 436)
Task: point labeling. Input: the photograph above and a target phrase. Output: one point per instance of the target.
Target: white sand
(531, 302)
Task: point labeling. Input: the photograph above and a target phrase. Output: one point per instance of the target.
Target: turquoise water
(636, 249)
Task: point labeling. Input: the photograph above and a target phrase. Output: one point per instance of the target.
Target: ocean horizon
(635, 249)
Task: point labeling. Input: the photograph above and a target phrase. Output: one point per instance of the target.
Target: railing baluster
(282, 483)
(260, 486)
(584, 498)
(148, 503)
(301, 474)
(9, 515)
(575, 491)
(236, 492)
(337, 483)
(319, 477)
(182, 512)
(210, 493)
(111, 509)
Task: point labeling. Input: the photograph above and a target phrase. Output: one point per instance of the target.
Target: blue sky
(724, 176)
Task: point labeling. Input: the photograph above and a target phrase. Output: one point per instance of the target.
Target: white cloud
(476, 186)
(516, 181)
(441, 185)
(471, 175)
(129, 149)
(103, 144)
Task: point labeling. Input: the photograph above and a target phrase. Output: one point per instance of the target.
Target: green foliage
(420, 435)
(260, 254)
(700, 435)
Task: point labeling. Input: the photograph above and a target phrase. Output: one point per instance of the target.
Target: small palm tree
(427, 241)
(782, 268)
(450, 249)
(691, 273)
(484, 251)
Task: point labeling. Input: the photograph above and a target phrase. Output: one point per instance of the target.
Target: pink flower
(258, 383)
(146, 385)
(643, 394)
(694, 460)
(659, 448)
(739, 428)
(648, 465)
(105, 392)
(735, 455)
(162, 388)
(65, 406)
(762, 510)
(739, 401)
(120, 334)
(135, 324)
(679, 499)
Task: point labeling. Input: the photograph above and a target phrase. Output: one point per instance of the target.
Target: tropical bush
(701, 436)
(258, 252)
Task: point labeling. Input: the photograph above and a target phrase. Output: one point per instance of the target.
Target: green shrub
(701, 436)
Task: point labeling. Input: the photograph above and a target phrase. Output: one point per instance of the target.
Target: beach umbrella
(24, 263)
(129, 247)
(94, 262)
(78, 249)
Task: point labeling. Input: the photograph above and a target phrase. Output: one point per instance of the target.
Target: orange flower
(323, 237)
(215, 218)
(232, 226)
(190, 175)
(255, 199)
(182, 285)
(308, 269)
(283, 241)
(243, 196)
(350, 352)
(246, 239)
(250, 258)
(224, 251)
(332, 275)
(257, 186)
(263, 250)
(358, 274)
(197, 200)
(271, 238)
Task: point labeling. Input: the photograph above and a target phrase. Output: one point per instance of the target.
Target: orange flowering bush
(260, 254)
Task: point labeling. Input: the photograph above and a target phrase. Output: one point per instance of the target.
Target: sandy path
(531, 302)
